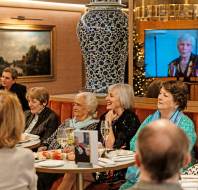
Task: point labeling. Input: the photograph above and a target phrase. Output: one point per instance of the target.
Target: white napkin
(189, 182)
(105, 162)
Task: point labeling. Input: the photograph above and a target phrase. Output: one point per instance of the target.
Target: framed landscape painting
(28, 49)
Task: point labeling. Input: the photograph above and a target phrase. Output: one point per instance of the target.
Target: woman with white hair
(84, 109)
(122, 121)
(186, 65)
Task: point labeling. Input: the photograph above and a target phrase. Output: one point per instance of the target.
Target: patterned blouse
(51, 143)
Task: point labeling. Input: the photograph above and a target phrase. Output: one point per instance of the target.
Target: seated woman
(171, 101)
(123, 125)
(122, 121)
(84, 109)
(17, 164)
(40, 120)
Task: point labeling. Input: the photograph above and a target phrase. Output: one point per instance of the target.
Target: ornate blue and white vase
(103, 36)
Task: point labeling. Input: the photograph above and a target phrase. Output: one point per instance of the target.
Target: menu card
(86, 147)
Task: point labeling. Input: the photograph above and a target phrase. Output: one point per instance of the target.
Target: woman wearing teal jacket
(171, 101)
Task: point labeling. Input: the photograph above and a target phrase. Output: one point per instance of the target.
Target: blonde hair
(39, 93)
(125, 94)
(12, 120)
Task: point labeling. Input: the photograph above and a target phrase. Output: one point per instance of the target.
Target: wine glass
(62, 137)
(69, 136)
(104, 129)
(101, 149)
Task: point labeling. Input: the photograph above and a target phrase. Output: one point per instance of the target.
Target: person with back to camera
(17, 164)
(160, 167)
(40, 120)
(186, 65)
(8, 82)
(171, 101)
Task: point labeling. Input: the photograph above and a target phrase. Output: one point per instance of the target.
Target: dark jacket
(124, 128)
(20, 91)
(47, 123)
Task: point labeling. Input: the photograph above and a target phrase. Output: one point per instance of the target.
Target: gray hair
(125, 94)
(91, 101)
(186, 37)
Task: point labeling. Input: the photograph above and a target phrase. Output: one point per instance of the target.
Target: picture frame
(29, 49)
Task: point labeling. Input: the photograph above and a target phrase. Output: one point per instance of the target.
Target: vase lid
(106, 2)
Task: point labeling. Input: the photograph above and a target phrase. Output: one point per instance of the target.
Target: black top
(20, 91)
(47, 123)
(124, 128)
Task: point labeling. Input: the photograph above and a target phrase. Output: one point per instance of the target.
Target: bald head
(162, 147)
(163, 134)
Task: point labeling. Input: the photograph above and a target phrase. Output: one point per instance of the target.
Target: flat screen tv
(160, 48)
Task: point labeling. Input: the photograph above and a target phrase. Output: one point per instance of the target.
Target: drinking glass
(101, 149)
(104, 129)
(69, 136)
(62, 137)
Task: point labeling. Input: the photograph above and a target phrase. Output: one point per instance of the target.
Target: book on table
(86, 147)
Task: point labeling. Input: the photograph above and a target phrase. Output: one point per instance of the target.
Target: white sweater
(17, 169)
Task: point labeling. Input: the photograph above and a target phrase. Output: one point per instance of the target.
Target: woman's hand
(71, 156)
(68, 149)
(70, 153)
(110, 117)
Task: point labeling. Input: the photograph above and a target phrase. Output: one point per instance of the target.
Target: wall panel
(68, 58)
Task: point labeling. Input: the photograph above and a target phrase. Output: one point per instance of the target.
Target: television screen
(161, 52)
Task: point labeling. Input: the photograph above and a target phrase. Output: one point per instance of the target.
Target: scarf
(81, 124)
(132, 174)
(175, 117)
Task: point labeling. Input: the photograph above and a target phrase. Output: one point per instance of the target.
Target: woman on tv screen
(171, 53)
(186, 65)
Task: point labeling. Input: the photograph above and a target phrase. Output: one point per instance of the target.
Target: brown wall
(67, 56)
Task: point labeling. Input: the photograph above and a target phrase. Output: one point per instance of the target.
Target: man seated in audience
(8, 82)
(162, 150)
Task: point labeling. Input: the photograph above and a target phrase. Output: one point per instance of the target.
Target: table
(71, 167)
(30, 144)
(189, 182)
